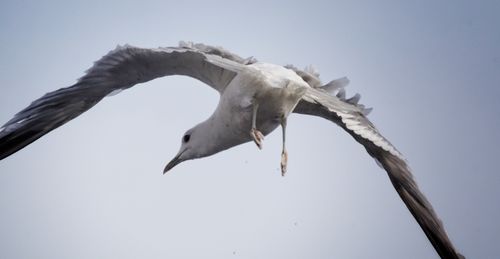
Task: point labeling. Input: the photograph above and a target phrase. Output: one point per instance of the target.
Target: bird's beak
(177, 160)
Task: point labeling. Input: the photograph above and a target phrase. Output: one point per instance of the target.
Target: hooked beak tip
(175, 161)
(168, 167)
(172, 163)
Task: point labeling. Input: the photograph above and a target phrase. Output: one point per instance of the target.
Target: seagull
(255, 99)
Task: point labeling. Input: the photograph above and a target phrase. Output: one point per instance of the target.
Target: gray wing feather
(120, 69)
(350, 118)
(336, 84)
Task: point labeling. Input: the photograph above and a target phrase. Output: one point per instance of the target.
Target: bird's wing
(352, 119)
(120, 69)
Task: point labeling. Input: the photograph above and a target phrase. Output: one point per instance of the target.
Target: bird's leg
(284, 153)
(257, 136)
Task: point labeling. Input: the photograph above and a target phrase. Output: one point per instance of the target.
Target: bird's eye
(186, 138)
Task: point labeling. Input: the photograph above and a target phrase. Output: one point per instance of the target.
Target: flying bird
(255, 99)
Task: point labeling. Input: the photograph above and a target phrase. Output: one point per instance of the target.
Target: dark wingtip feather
(13, 141)
(321, 104)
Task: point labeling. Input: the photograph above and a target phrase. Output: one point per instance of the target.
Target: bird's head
(192, 146)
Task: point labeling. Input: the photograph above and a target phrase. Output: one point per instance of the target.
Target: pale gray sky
(94, 189)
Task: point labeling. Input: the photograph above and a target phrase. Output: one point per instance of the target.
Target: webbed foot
(284, 162)
(257, 137)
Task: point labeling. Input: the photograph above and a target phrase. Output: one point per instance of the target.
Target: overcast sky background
(93, 188)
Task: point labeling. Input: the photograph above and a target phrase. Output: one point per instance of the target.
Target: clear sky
(94, 189)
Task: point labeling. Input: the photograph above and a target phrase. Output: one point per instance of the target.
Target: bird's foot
(284, 162)
(257, 137)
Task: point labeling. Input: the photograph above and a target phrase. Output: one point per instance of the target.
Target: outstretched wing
(120, 69)
(352, 119)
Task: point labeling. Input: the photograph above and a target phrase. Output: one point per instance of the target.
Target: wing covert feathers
(120, 69)
(351, 118)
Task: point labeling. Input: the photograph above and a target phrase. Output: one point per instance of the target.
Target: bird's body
(275, 88)
(255, 98)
